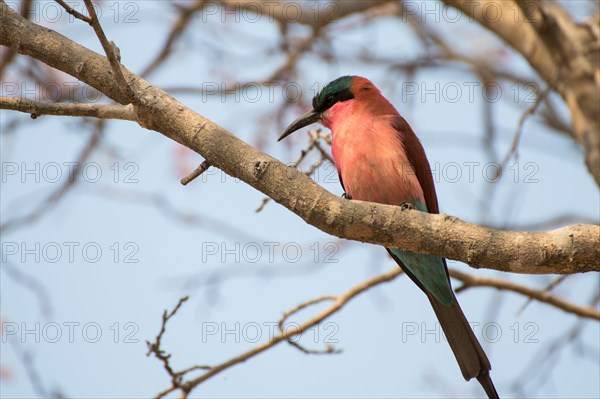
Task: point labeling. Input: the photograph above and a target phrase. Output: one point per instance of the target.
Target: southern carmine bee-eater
(380, 159)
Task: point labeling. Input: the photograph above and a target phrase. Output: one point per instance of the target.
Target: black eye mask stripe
(321, 104)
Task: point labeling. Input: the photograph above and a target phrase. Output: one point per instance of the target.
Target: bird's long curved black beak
(308, 118)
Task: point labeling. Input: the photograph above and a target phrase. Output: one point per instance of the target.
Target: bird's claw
(405, 206)
(346, 196)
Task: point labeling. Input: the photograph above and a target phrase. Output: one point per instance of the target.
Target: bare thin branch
(74, 12)
(111, 51)
(517, 138)
(183, 22)
(160, 354)
(339, 302)
(329, 349)
(470, 280)
(36, 108)
(556, 282)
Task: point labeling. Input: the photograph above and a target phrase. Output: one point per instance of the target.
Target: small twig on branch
(196, 173)
(264, 202)
(155, 348)
(329, 349)
(100, 111)
(549, 288)
(186, 15)
(541, 296)
(111, 52)
(517, 138)
(75, 13)
(324, 154)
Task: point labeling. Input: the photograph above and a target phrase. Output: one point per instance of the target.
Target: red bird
(380, 159)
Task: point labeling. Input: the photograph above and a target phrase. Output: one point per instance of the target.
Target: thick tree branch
(570, 249)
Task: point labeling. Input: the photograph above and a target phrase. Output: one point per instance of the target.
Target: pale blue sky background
(379, 358)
